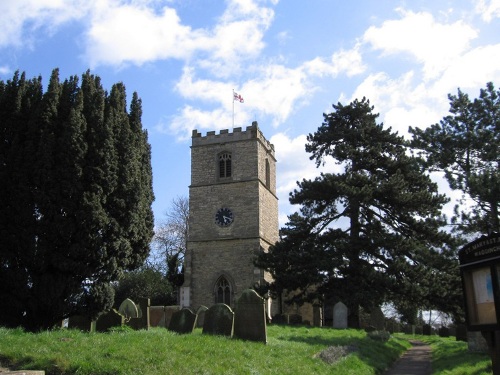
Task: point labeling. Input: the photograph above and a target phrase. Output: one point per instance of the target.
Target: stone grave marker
(182, 321)
(143, 320)
(340, 316)
(157, 316)
(377, 319)
(219, 320)
(200, 316)
(426, 330)
(250, 317)
(109, 320)
(81, 323)
(444, 332)
(317, 316)
(129, 309)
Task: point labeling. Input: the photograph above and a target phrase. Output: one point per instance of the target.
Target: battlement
(251, 132)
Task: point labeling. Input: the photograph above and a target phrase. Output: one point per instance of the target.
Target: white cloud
(275, 91)
(433, 44)
(488, 9)
(348, 62)
(22, 20)
(133, 33)
(136, 33)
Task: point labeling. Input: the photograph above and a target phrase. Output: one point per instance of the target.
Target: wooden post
(493, 340)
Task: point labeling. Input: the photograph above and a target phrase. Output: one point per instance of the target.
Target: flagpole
(233, 108)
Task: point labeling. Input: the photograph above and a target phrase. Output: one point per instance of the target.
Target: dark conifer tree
(363, 235)
(73, 187)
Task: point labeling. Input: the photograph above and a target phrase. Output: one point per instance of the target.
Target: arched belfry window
(222, 291)
(225, 169)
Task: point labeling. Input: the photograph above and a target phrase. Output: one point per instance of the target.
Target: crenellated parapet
(251, 132)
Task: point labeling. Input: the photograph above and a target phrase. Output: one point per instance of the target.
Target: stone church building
(233, 215)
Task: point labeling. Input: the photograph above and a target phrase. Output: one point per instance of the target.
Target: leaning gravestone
(340, 316)
(377, 319)
(200, 316)
(250, 317)
(182, 321)
(219, 320)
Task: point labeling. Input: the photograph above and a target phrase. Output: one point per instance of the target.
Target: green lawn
(290, 350)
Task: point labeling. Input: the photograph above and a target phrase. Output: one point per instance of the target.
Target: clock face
(223, 217)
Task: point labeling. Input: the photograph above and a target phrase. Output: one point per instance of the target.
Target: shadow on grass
(379, 355)
(51, 367)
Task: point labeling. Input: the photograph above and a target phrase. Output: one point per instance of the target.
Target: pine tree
(361, 233)
(465, 146)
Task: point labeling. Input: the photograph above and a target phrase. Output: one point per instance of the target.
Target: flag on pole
(238, 97)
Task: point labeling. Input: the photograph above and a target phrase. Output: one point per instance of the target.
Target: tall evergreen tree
(465, 145)
(76, 197)
(361, 234)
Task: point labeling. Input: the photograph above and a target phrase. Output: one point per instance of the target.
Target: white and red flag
(238, 97)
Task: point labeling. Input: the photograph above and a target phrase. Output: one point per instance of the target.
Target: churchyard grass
(290, 350)
(452, 357)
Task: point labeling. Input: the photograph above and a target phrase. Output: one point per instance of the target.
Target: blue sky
(289, 59)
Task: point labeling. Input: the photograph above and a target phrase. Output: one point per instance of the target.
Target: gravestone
(340, 316)
(426, 329)
(143, 320)
(294, 319)
(444, 332)
(250, 317)
(377, 319)
(317, 316)
(109, 320)
(182, 321)
(81, 323)
(200, 316)
(219, 320)
(129, 309)
(157, 316)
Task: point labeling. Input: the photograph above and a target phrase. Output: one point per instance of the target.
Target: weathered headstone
(377, 319)
(129, 309)
(182, 321)
(340, 316)
(82, 323)
(294, 319)
(157, 316)
(317, 316)
(219, 320)
(250, 317)
(142, 321)
(200, 316)
(109, 320)
(426, 330)
(444, 332)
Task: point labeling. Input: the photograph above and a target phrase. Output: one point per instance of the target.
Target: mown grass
(451, 357)
(290, 350)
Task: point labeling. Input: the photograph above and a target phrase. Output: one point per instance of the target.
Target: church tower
(233, 215)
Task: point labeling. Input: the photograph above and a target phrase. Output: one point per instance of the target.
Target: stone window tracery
(222, 291)
(225, 167)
